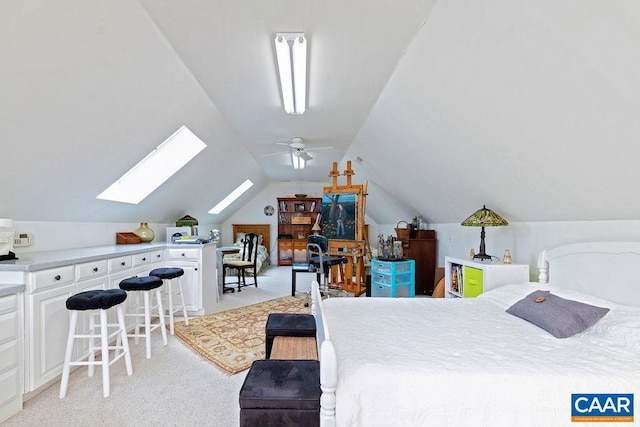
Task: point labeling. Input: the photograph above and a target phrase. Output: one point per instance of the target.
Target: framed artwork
(298, 206)
(340, 216)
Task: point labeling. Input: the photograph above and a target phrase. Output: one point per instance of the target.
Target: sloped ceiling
(528, 107)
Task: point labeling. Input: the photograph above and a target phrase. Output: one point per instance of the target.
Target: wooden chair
(249, 261)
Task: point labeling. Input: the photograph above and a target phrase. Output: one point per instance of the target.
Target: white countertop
(35, 261)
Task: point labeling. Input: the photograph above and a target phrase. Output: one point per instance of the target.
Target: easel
(354, 280)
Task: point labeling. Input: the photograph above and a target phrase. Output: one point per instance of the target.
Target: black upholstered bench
(289, 325)
(281, 393)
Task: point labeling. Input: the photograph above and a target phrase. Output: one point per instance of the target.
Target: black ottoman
(281, 393)
(288, 325)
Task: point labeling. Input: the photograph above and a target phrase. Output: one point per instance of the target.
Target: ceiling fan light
(297, 160)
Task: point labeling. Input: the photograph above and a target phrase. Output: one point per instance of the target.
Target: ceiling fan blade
(305, 156)
(275, 154)
(319, 148)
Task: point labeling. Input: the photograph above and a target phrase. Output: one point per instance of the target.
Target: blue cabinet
(393, 278)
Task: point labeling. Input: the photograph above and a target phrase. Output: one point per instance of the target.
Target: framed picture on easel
(340, 216)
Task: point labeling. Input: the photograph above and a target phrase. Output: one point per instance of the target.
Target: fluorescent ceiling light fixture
(157, 167)
(291, 53)
(298, 161)
(231, 197)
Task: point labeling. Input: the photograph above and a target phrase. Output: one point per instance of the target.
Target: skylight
(231, 197)
(157, 167)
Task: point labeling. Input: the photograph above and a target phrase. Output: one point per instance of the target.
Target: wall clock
(268, 210)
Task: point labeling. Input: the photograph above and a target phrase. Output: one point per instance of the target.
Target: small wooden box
(127, 238)
(301, 220)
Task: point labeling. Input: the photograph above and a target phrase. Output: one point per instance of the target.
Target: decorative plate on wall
(268, 210)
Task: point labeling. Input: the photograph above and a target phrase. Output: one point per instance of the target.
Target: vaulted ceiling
(528, 107)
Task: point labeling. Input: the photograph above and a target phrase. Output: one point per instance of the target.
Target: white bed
(459, 362)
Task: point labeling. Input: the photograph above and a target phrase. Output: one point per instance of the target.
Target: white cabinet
(10, 355)
(468, 279)
(48, 325)
(46, 318)
(200, 282)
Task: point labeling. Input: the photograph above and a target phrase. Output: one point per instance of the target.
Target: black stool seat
(288, 325)
(282, 393)
(167, 273)
(327, 261)
(96, 299)
(141, 283)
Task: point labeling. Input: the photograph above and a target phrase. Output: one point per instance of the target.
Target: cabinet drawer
(190, 254)
(142, 259)
(387, 279)
(8, 326)
(8, 303)
(8, 355)
(388, 267)
(157, 256)
(472, 282)
(385, 291)
(53, 277)
(120, 263)
(91, 269)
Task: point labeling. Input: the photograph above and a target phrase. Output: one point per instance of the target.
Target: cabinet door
(423, 251)
(10, 355)
(82, 346)
(300, 251)
(285, 252)
(49, 328)
(191, 286)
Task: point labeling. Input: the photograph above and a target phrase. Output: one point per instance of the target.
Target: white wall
(64, 235)
(525, 240)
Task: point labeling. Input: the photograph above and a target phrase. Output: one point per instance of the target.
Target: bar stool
(168, 274)
(101, 300)
(145, 285)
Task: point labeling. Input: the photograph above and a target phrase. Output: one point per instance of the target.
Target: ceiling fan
(297, 148)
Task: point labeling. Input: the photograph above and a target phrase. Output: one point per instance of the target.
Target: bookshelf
(468, 279)
(296, 216)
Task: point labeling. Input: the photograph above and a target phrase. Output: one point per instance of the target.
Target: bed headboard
(609, 270)
(264, 229)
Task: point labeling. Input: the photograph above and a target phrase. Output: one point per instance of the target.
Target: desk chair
(317, 258)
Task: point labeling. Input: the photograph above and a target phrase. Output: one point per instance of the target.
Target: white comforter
(454, 362)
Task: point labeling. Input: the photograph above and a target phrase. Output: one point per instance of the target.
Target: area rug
(233, 339)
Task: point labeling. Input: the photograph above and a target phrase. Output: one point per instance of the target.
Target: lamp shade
(484, 218)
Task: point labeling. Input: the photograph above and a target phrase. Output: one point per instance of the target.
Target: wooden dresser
(421, 246)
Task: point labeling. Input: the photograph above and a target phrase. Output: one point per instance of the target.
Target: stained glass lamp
(484, 218)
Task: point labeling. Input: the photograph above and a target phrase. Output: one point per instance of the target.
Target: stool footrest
(290, 348)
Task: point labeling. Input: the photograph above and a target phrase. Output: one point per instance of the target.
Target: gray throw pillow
(560, 317)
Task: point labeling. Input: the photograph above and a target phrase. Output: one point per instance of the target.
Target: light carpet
(233, 339)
